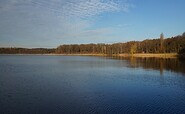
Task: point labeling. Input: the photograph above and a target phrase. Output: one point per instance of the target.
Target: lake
(32, 84)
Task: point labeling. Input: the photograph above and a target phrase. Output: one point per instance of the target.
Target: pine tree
(161, 43)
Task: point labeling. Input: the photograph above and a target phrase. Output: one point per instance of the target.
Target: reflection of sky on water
(74, 84)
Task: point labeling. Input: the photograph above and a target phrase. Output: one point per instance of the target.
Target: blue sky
(50, 23)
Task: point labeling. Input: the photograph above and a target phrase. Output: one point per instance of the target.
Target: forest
(13, 50)
(159, 45)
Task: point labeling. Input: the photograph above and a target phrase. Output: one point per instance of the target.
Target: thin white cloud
(89, 33)
(7, 4)
(89, 8)
(78, 8)
(59, 19)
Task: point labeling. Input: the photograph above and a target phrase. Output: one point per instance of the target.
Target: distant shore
(140, 55)
(54, 54)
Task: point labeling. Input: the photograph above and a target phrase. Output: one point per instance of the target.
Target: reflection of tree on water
(158, 71)
(160, 64)
(133, 62)
(161, 67)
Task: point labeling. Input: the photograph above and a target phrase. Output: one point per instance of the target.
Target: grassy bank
(142, 55)
(158, 55)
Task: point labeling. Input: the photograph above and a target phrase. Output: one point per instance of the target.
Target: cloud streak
(59, 19)
(82, 8)
(78, 8)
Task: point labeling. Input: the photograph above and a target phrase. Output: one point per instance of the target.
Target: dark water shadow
(161, 64)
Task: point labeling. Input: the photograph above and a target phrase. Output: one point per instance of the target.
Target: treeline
(160, 45)
(26, 51)
(170, 45)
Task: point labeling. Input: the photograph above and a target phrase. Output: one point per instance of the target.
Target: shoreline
(53, 54)
(137, 55)
(151, 55)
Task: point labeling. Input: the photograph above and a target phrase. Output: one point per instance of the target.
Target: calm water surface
(74, 84)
